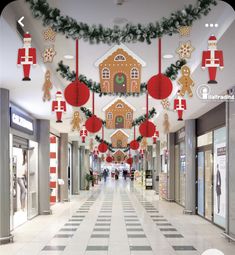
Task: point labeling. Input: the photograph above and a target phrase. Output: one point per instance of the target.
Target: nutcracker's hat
(59, 93)
(212, 38)
(27, 35)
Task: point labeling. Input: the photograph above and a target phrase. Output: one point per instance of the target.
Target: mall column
(82, 172)
(230, 176)
(75, 173)
(157, 169)
(171, 167)
(44, 166)
(63, 167)
(5, 235)
(190, 157)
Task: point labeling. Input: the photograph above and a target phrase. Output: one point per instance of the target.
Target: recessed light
(216, 25)
(68, 57)
(168, 56)
(211, 25)
(206, 25)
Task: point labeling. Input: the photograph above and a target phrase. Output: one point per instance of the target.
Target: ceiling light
(206, 25)
(168, 56)
(211, 25)
(68, 57)
(216, 25)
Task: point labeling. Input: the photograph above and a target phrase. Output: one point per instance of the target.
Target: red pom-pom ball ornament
(103, 147)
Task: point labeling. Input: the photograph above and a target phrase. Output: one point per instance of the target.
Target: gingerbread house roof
(120, 130)
(116, 47)
(120, 152)
(114, 101)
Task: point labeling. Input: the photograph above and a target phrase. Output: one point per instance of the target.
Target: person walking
(124, 174)
(116, 174)
(105, 174)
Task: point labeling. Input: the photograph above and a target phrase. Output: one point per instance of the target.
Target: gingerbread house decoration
(119, 156)
(120, 70)
(119, 139)
(119, 114)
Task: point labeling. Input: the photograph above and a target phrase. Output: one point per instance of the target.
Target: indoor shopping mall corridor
(116, 217)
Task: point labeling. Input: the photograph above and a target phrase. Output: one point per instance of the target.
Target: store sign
(21, 122)
(180, 135)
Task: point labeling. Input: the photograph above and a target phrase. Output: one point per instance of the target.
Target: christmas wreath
(129, 33)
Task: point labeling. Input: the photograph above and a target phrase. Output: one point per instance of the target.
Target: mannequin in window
(218, 188)
(22, 178)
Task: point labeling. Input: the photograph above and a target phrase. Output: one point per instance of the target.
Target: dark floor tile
(78, 216)
(68, 229)
(72, 224)
(136, 235)
(102, 224)
(163, 224)
(63, 236)
(173, 235)
(100, 236)
(167, 229)
(101, 229)
(76, 220)
(133, 224)
(104, 220)
(129, 220)
(183, 248)
(140, 248)
(160, 220)
(130, 216)
(134, 229)
(156, 216)
(53, 248)
(97, 248)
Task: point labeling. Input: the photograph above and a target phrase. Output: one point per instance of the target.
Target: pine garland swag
(129, 33)
(64, 70)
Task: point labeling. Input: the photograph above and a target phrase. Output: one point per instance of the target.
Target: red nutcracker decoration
(212, 58)
(83, 134)
(180, 105)
(59, 106)
(155, 136)
(26, 56)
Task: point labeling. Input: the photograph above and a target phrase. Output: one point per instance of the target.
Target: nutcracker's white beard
(212, 48)
(27, 45)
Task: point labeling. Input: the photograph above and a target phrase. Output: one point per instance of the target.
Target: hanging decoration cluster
(129, 33)
(64, 70)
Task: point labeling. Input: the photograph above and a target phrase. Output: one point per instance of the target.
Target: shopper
(105, 174)
(124, 174)
(91, 173)
(116, 174)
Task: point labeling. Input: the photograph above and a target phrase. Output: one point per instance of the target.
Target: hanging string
(134, 132)
(147, 106)
(93, 103)
(159, 55)
(102, 132)
(76, 59)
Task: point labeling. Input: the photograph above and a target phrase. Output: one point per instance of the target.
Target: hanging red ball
(103, 147)
(159, 86)
(129, 161)
(147, 128)
(76, 93)
(109, 159)
(93, 124)
(134, 145)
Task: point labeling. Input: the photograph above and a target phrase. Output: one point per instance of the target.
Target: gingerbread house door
(119, 122)
(119, 82)
(119, 143)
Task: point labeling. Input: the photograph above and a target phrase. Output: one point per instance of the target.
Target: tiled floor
(116, 218)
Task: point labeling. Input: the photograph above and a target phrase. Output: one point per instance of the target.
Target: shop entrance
(24, 180)
(205, 182)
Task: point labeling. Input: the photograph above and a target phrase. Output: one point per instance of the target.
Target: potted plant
(88, 179)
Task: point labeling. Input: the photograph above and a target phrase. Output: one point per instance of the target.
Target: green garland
(88, 114)
(100, 140)
(64, 70)
(129, 33)
(135, 122)
(143, 117)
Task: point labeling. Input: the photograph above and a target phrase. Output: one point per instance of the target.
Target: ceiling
(29, 94)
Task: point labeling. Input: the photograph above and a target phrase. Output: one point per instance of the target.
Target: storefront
(23, 166)
(211, 166)
(180, 167)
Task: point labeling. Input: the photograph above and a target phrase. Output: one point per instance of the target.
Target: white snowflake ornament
(49, 34)
(185, 50)
(48, 54)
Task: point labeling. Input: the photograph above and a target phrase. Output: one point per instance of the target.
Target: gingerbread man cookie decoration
(47, 86)
(185, 81)
(76, 121)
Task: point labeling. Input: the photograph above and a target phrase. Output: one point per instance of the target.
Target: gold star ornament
(185, 50)
(184, 30)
